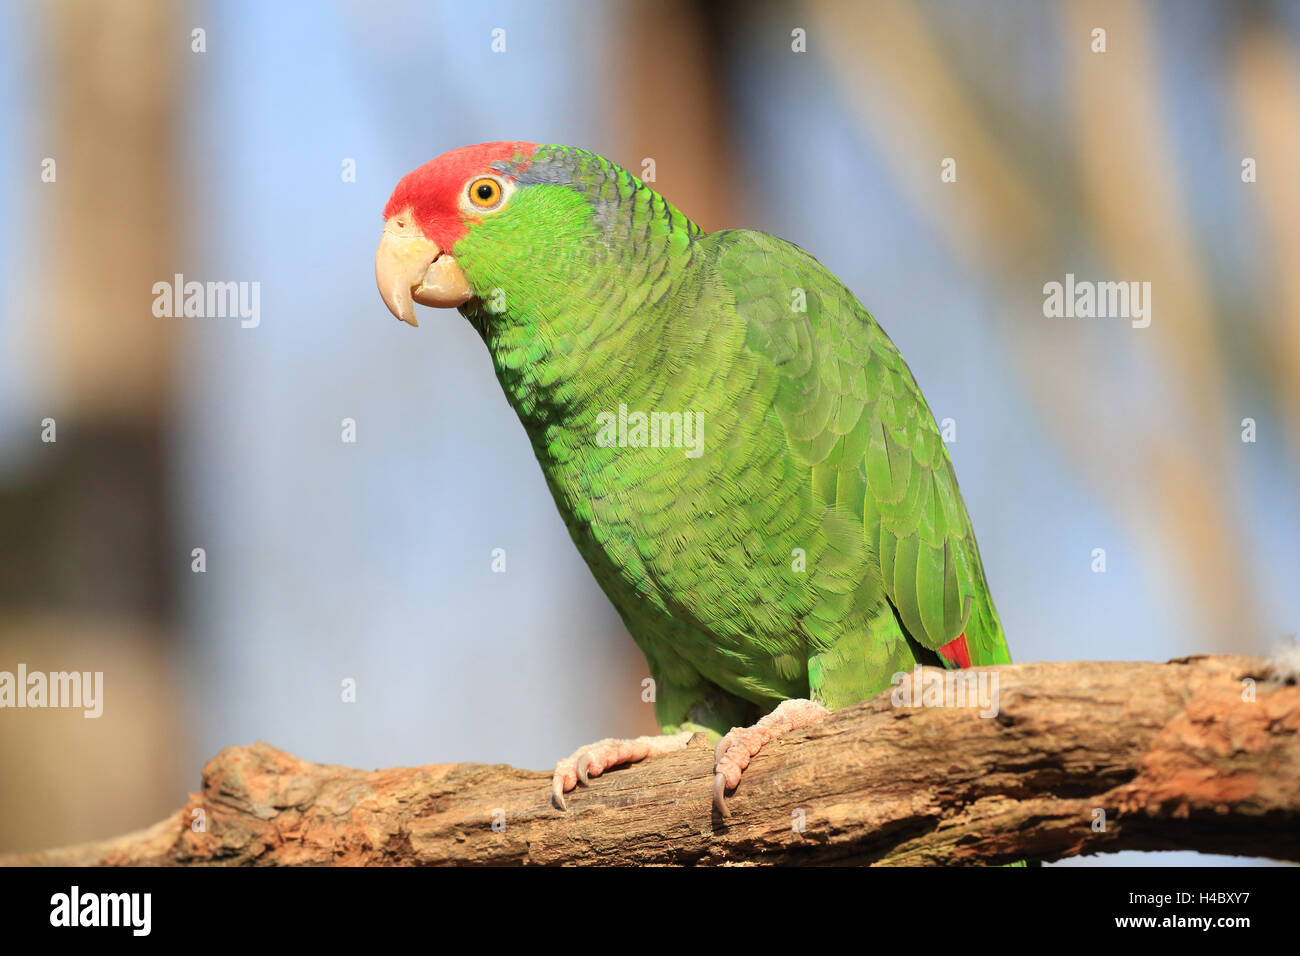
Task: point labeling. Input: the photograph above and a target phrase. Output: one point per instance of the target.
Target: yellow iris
(485, 192)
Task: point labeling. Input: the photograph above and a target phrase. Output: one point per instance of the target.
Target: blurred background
(371, 561)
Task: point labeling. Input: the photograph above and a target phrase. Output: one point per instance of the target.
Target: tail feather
(956, 652)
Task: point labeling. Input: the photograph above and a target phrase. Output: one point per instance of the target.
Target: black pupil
(485, 191)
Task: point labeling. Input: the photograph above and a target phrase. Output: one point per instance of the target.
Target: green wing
(851, 411)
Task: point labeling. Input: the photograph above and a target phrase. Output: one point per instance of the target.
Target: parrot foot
(594, 759)
(738, 747)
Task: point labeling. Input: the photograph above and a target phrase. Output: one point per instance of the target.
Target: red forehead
(433, 190)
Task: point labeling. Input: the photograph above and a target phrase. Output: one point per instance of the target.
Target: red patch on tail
(956, 652)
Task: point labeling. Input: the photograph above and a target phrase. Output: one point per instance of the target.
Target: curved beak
(410, 268)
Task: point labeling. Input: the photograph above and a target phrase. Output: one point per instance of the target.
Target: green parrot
(738, 450)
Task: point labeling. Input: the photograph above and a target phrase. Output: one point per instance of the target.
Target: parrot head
(515, 231)
(436, 208)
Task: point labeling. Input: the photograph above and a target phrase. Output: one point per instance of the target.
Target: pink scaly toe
(594, 759)
(738, 747)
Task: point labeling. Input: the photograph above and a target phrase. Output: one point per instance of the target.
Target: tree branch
(1172, 753)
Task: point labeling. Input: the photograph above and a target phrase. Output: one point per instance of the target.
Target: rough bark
(1177, 755)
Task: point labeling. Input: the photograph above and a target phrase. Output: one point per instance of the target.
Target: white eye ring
(468, 203)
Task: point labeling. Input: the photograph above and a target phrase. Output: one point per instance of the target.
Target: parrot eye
(485, 192)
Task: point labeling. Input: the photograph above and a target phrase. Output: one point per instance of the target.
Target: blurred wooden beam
(111, 223)
(672, 105)
(89, 568)
(90, 522)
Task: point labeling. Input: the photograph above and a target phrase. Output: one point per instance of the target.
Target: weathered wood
(1177, 756)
